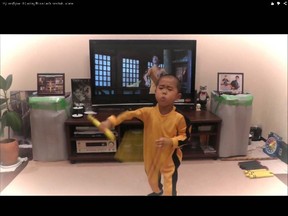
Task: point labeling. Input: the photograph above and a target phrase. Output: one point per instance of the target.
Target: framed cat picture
(81, 91)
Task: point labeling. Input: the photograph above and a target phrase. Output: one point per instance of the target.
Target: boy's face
(155, 59)
(166, 91)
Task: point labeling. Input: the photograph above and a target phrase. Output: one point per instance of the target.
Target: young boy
(165, 129)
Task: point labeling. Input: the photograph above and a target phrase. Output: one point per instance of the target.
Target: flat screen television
(118, 68)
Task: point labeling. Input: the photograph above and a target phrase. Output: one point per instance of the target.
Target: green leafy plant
(8, 117)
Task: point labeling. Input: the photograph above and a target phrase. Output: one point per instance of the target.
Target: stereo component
(96, 146)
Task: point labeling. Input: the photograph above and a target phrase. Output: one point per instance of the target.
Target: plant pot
(9, 152)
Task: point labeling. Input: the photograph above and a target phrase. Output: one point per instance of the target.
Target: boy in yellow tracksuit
(165, 129)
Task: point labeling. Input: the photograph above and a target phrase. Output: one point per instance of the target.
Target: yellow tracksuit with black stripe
(167, 159)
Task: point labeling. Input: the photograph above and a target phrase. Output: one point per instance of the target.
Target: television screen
(121, 70)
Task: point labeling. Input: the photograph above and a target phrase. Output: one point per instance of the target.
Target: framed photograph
(81, 91)
(231, 83)
(49, 84)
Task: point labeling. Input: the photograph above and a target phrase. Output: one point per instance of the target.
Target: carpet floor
(197, 177)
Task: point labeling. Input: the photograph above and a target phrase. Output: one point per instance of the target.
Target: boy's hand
(105, 125)
(163, 141)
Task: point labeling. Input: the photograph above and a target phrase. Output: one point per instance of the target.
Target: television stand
(206, 128)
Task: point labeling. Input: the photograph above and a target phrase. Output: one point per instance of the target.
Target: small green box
(283, 152)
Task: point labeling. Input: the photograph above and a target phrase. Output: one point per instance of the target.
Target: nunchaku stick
(108, 133)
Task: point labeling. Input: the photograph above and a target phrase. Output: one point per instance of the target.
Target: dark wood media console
(206, 128)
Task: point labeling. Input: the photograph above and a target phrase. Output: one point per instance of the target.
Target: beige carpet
(196, 177)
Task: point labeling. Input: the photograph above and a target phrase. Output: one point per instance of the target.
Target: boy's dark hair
(172, 76)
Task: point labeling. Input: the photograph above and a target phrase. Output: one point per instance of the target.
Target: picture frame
(50, 84)
(230, 82)
(81, 91)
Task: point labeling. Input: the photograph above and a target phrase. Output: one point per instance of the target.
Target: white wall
(262, 59)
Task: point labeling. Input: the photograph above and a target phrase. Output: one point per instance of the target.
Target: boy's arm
(182, 136)
(176, 141)
(113, 120)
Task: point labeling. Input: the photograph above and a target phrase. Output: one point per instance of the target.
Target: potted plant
(9, 148)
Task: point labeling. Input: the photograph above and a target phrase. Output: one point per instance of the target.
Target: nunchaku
(108, 133)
